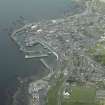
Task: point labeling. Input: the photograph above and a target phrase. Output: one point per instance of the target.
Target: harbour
(12, 63)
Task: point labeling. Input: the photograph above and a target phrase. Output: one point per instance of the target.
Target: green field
(81, 96)
(52, 98)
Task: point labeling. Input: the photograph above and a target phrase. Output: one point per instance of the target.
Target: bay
(12, 62)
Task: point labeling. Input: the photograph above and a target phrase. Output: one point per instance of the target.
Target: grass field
(81, 96)
(52, 98)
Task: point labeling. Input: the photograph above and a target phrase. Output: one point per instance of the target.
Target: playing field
(81, 96)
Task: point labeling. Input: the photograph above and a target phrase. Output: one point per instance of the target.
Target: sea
(12, 62)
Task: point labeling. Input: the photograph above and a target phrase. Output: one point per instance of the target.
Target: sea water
(12, 62)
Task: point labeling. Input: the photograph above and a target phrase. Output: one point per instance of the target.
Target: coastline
(77, 49)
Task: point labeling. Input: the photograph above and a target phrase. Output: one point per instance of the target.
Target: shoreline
(80, 51)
